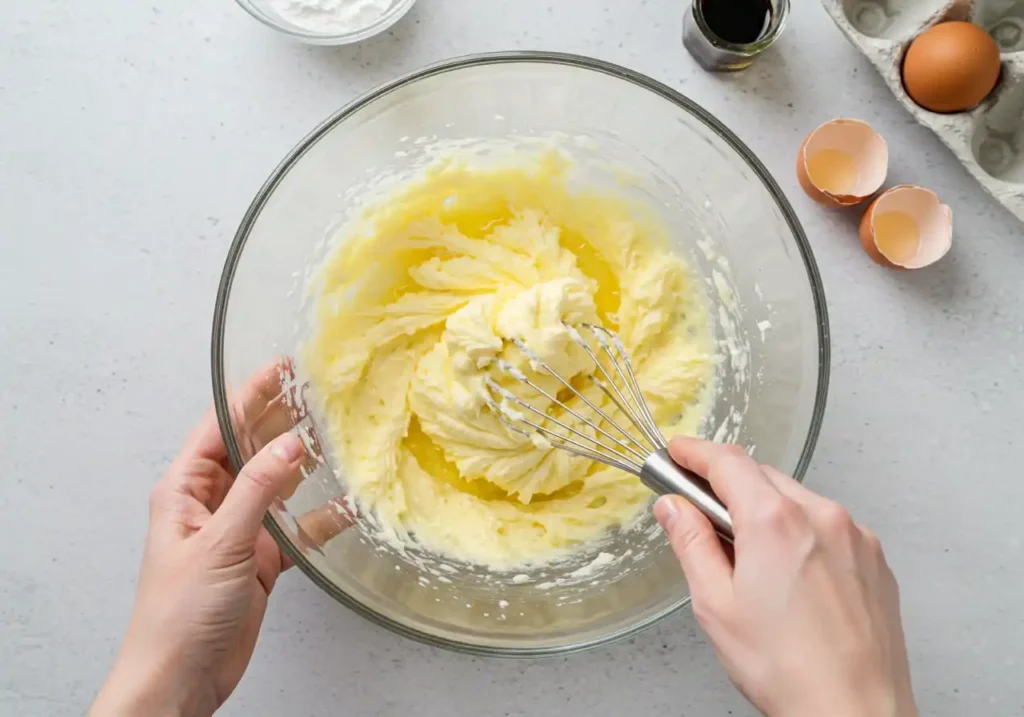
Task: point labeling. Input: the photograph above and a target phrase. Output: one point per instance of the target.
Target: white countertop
(133, 136)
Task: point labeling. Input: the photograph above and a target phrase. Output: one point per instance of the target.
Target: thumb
(263, 478)
(698, 548)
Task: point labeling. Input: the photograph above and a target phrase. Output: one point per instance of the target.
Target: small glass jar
(717, 55)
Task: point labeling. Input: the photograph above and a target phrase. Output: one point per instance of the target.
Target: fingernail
(288, 447)
(666, 512)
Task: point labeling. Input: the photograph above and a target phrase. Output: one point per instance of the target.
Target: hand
(208, 568)
(807, 621)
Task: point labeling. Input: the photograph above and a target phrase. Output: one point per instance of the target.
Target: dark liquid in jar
(739, 22)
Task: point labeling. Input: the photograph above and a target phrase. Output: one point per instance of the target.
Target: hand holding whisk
(645, 455)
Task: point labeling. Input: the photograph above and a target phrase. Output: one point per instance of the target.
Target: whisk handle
(665, 477)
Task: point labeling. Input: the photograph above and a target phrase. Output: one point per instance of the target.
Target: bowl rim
(457, 63)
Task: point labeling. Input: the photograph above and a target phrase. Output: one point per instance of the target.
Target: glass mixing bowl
(725, 214)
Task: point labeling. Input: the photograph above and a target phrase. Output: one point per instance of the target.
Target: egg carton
(989, 139)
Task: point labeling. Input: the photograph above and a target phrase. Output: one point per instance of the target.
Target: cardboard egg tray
(989, 139)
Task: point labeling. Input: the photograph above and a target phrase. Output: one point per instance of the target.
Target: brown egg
(951, 67)
(907, 227)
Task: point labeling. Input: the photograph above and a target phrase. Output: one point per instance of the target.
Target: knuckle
(781, 515)
(687, 542)
(835, 518)
(222, 542)
(893, 583)
(732, 451)
(872, 541)
(259, 476)
(730, 459)
(159, 497)
(775, 474)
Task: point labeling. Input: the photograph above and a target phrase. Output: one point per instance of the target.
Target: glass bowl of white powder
(328, 22)
(724, 215)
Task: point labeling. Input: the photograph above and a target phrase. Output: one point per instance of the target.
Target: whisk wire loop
(564, 443)
(537, 361)
(509, 396)
(606, 337)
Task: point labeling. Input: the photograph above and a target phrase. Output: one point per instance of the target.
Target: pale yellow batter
(414, 309)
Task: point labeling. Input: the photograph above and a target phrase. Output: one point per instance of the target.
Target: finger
(240, 516)
(197, 473)
(733, 475)
(270, 561)
(205, 440)
(698, 548)
(272, 402)
(277, 417)
(261, 408)
(320, 525)
(264, 387)
(267, 418)
(189, 494)
(314, 457)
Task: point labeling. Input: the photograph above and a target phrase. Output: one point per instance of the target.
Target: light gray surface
(132, 137)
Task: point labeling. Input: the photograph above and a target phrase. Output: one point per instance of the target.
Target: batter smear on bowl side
(414, 309)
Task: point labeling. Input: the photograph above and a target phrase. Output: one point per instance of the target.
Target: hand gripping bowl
(724, 213)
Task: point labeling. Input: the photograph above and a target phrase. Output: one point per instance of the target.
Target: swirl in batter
(412, 312)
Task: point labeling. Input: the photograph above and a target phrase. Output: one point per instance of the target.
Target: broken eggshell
(842, 163)
(907, 227)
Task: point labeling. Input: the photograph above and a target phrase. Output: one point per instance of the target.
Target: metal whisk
(646, 456)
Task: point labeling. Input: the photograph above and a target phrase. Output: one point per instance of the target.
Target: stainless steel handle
(664, 476)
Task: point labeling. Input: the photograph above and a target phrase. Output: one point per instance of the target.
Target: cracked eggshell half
(842, 163)
(907, 227)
